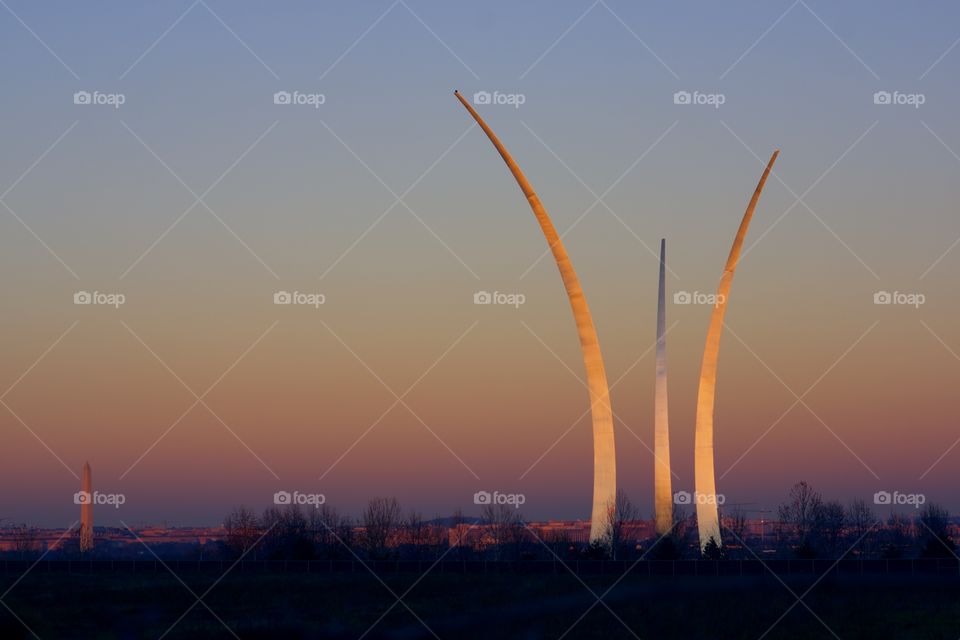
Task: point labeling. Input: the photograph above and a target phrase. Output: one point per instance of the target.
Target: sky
(185, 197)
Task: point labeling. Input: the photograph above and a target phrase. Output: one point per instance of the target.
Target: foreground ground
(256, 606)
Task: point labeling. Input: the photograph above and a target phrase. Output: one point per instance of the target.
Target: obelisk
(86, 509)
(708, 515)
(662, 490)
(604, 455)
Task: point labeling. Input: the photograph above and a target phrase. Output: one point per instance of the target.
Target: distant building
(86, 509)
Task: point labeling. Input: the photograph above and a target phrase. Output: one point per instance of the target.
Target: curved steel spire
(708, 517)
(604, 456)
(662, 489)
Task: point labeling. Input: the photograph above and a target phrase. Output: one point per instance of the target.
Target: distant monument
(708, 515)
(86, 509)
(604, 455)
(662, 490)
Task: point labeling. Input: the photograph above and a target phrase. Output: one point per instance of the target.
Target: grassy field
(475, 606)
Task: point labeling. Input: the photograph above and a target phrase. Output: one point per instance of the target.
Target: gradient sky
(297, 192)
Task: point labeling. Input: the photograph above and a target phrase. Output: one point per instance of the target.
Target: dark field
(331, 605)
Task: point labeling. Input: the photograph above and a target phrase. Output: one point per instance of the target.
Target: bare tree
(25, 542)
(380, 521)
(458, 533)
(620, 513)
(243, 530)
(934, 532)
(832, 520)
(860, 519)
(503, 526)
(801, 513)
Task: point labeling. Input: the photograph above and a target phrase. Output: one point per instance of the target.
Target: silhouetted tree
(860, 520)
(619, 514)
(830, 524)
(243, 530)
(934, 532)
(380, 521)
(802, 514)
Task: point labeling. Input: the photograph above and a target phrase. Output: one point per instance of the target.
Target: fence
(653, 568)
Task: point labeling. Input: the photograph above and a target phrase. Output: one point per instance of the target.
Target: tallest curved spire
(708, 516)
(604, 457)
